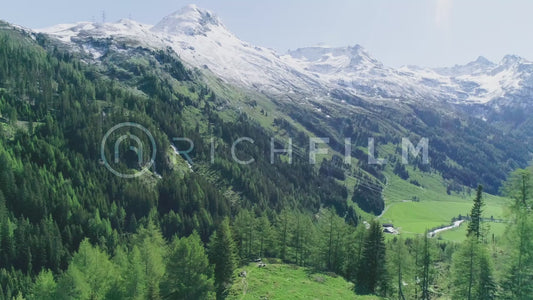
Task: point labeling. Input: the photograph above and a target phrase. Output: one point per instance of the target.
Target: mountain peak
(479, 66)
(325, 59)
(481, 60)
(511, 59)
(189, 20)
(322, 51)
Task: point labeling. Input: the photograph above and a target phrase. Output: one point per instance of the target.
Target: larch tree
(516, 283)
(371, 273)
(399, 263)
(471, 272)
(222, 255)
(471, 267)
(152, 247)
(188, 273)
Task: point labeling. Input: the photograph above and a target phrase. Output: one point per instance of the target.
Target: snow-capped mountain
(480, 81)
(354, 69)
(190, 20)
(201, 40)
(476, 67)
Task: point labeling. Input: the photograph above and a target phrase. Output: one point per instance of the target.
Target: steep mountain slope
(354, 70)
(478, 82)
(57, 196)
(71, 229)
(484, 82)
(202, 41)
(329, 92)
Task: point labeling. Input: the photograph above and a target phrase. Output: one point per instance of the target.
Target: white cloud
(443, 12)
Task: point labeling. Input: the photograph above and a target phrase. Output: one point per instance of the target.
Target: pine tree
(90, 275)
(519, 275)
(354, 253)
(472, 272)
(399, 264)
(188, 273)
(135, 275)
(44, 286)
(283, 233)
(333, 233)
(222, 255)
(474, 227)
(305, 239)
(487, 287)
(463, 272)
(132, 282)
(264, 236)
(425, 269)
(244, 230)
(152, 247)
(471, 268)
(420, 248)
(7, 244)
(371, 273)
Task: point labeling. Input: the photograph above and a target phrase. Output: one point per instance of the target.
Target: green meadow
(283, 281)
(414, 209)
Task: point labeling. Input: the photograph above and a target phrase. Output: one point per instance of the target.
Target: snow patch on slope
(201, 40)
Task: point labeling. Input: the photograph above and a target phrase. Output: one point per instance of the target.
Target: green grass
(281, 281)
(432, 187)
(435, 208)
(459, 234)
(416, 217)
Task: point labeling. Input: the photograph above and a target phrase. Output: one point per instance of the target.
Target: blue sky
(416, 32)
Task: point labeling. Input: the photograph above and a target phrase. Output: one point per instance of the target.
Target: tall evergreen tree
(90, 275)
(425, 271)
(152, 248)
(472, 272)
(519, 275)
(471, 268)
(399, 264)
(474, 227)
(222, 254)
(487, 287)
(44, 287)
(333, 235)
(283, 232)
(244, 231)
(188, 273)
(132, 283)
(354, 253)
(264, 236)
(371, 274)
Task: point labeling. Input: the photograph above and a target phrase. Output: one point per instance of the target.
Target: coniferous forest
(70, 229)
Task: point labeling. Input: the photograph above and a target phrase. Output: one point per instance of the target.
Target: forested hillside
(71, 229)
(55, 191)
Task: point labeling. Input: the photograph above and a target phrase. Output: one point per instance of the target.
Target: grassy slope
(280, 281)
(458, 234)
(436, 208)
